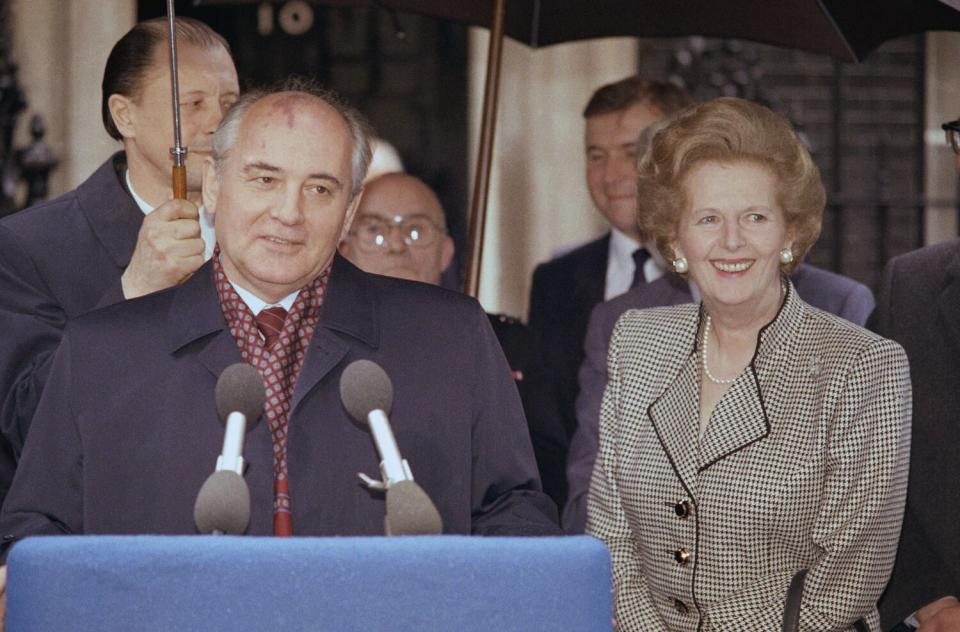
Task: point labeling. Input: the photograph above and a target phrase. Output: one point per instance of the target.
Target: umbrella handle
(179, 182)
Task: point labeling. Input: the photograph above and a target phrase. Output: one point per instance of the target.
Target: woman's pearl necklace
(706, 369)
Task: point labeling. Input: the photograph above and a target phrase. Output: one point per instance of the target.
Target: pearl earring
(680, 265)
(786, 256)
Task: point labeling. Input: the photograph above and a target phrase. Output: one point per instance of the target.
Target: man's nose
(396, 243)
(214, 115)
(288, 210)
(617, 168)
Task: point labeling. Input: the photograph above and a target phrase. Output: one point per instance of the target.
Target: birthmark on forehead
(286, 107)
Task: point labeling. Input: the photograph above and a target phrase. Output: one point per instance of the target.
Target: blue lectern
(209, 583)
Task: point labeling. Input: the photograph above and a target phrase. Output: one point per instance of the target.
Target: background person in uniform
(118, 235)
(919, 307)
(750, 436)
(400, 231)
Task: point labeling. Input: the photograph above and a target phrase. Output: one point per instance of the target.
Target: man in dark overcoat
(118, 235)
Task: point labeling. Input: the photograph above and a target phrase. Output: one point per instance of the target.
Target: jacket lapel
(591, 277)
(115, 224)
(349, 308)
(738, 420)
(949, 303)
(195, 314)
(674, 417)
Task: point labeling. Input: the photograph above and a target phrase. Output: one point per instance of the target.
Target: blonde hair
(729, 130)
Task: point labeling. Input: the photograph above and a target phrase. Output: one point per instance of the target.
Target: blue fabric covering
(443, 583)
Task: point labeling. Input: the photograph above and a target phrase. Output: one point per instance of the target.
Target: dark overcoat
(919, 307)
(127, 430)
(58, 260)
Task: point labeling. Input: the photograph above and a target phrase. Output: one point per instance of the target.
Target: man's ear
(351, 212)
(446, 253)
(123, 111)
(211, 186)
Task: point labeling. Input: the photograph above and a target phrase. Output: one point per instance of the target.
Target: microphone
(223, 504)
(239, 394)
(367, 395)
(410, 511)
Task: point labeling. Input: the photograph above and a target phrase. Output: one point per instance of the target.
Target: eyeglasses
(373, 234)
(952, 130)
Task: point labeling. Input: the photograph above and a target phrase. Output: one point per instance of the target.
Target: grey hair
(360, 131)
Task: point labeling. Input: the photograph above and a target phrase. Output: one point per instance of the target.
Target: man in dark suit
(400, 231)
(567, 288)
(116, 236)
(919, 307)
(830, 292)
(127, 430)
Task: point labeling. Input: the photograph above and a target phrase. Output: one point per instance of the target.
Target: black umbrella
(844, 29)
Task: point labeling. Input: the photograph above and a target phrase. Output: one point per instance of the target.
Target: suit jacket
(58, 260)
(826, 290)
(127, 430)
(564, 292)
(919, 307)
(802, 465)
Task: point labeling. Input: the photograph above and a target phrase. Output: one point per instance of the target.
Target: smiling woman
(750, 436)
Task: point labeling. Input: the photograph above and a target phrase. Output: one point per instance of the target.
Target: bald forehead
(400, 194)
(293, 109)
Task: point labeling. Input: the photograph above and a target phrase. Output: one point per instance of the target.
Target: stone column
(538, 196)
(61, 48)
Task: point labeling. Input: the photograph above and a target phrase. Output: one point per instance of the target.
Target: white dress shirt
(257, 304)
(620, 264)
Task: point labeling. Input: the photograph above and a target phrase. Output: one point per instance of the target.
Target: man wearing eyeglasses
(400, 231)
(919, 307)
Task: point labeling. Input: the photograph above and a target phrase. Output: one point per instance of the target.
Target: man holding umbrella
(118, 235)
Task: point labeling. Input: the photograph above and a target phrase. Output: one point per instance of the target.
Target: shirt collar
(622, 246)
(257, 304)
(146, 208)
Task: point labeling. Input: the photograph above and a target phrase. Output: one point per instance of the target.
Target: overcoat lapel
(949, 303)
(116, 227)
(195, 313)
(348, 308)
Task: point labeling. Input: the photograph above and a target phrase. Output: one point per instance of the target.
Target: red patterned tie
(277, 347)
(270, 323)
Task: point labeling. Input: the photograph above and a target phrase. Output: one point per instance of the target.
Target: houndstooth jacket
(803, 465)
